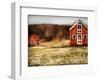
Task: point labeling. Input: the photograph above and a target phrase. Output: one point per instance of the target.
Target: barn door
(79, 39)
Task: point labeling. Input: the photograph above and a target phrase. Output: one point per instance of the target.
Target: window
(85, 36)
(73, 36)
(79, 31)
(79, 37)
(79, 28)
(79, 41)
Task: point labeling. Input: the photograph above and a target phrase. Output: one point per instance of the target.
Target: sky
(38, 19)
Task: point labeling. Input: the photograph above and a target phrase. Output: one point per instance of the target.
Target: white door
(79, 39)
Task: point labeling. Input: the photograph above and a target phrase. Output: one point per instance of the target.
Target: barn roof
(79, 20)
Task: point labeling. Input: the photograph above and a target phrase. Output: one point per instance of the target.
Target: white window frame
(78, 30)
(79, 43)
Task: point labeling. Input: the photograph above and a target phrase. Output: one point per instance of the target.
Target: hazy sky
(32, 19)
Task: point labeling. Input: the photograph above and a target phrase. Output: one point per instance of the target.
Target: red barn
(33, 40)
(79, 34)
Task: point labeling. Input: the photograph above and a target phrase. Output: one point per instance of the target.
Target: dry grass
(56, 44)
(44, 56)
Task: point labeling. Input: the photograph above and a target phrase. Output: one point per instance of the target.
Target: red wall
(85, 31)
(74, 31)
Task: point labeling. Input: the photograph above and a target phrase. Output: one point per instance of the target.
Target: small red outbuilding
(33, 40)
(79, 33)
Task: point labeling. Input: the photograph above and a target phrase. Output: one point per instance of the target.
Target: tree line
(49, 32)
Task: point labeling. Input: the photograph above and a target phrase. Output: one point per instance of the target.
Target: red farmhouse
(79, 34)
(33, 40)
